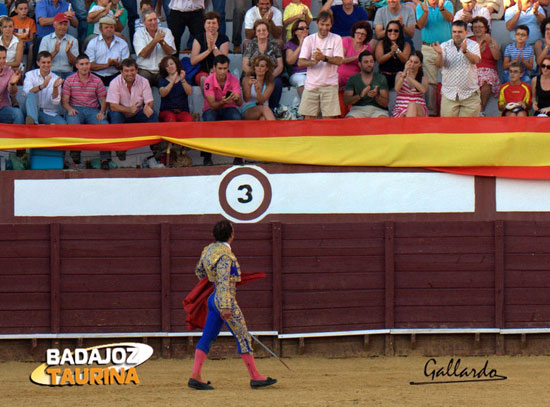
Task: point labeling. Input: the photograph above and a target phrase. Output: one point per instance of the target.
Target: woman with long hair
(411, 86)
(542, 46)
(360, 40)
(257, 88)
(487, 70)
(300, 30)
(173, 89)
(15, 48)
(540, 89)
(392, 52)
(261, 44)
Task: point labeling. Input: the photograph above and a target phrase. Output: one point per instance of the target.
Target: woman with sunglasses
(487, 70)
(261, 44)
(360, 40)
(542, 46)
(257, 88)
(540, 88)
(300, 30)
(411, 85)
(392, 52)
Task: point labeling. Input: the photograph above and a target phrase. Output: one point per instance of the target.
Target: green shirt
(356, 84)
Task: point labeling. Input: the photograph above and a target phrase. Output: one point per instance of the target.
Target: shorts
(322, 100)
(367, 112)
(298, 79)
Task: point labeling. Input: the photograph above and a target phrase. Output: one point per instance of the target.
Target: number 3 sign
(245, 194)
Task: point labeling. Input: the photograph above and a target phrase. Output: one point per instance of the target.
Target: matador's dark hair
(222, 231)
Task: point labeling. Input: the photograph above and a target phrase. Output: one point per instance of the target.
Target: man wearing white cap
(107, 51)
(62, 46)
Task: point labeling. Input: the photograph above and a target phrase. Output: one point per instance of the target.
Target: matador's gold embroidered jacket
(220, 265)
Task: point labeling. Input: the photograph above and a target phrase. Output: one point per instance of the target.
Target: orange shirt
(23, 28)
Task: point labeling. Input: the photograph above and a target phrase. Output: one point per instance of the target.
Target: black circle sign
(246, 194)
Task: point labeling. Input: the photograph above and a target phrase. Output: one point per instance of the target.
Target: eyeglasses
(543, 66)
(514, 71)
(360, 33)
(391, 30)
(302, 28)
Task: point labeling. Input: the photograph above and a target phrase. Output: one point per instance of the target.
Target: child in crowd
(519, 52)
(24, 28)
(295, 11)
(515, 96)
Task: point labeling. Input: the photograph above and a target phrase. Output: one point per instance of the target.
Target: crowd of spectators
(345, 69)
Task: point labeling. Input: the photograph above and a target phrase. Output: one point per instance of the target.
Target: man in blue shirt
(345, 15)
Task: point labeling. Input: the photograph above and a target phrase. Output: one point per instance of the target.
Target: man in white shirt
(321, 53)
(470, 10)
(107, 51)
(457, 58)
(43, 93)
(264, 9)
(62, 46)
(151, 45)
(185, 13)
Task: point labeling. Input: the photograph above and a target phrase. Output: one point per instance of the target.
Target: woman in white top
(15, 47)
(258, 85)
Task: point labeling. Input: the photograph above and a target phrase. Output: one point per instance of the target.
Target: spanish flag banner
(510, 147)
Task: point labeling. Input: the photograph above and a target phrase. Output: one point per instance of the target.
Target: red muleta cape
(195, 303)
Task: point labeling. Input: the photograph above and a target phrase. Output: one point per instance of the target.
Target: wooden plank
(389, 275)
(110, 329)
(186, 282)
(19, 265)
(25, 248)
(524, 244)
(111, 318)
(277, 276)
(202, 231)
(527, 279)
(528, 296)
(336, 231)
(25, 283)
(55, 278)
(499, 274)
(447, 262)
(329, 316)
(261, 299)
(334, 251)
(25, 301)
(186, 265)
(165, 276)
(332, 264)
(310, 300)
(445, 279)
(528, 228)
(445, 297)
(442, 325)
(111, 231)
(110, 248)
(528, 261)
(253, 316)
(241, 247)
(20, 319)
(110, 300)
(445, 314)
(24, 232)
(111, 283)
(443, 229)
(109, 265)
(328, 281)
(528, 313)
(442, 244)
(336, 327)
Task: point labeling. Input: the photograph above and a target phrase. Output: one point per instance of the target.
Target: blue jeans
(11, 115)
(227, 113)
(275, 97)
(86, 115)
(139, 117)
(132, 8)
(81, 13)
(219, 6)
(31, 109)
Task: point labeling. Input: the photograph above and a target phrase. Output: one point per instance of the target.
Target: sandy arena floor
(376, 382)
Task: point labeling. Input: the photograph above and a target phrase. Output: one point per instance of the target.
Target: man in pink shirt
(321, 53)
(222, 95)
(130, 98)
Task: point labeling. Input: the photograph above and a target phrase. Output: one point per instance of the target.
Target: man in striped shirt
(84, 99)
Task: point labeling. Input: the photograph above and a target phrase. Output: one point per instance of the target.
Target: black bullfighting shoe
(256, 384)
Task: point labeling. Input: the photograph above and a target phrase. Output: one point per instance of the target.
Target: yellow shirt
(290, 11)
